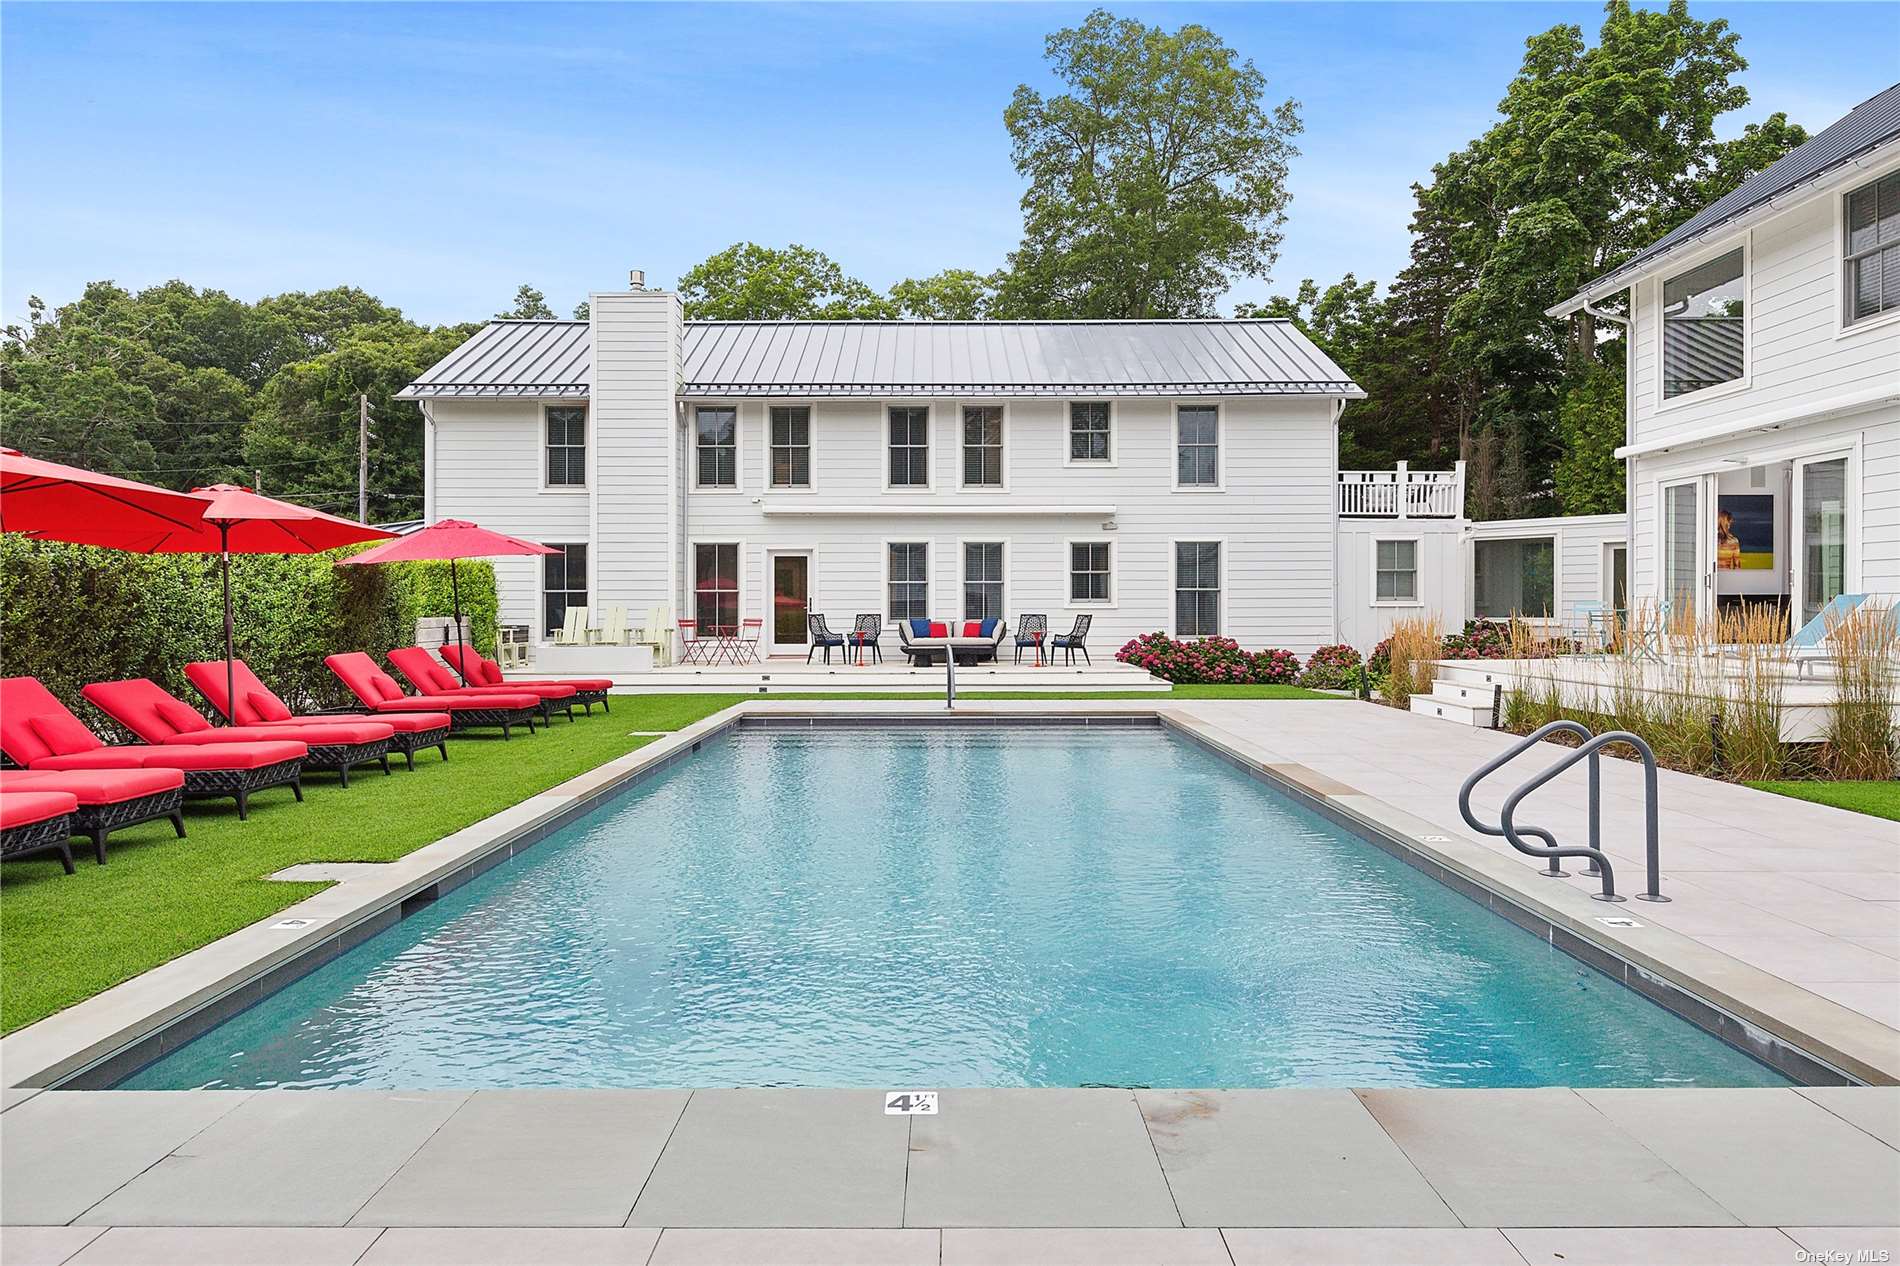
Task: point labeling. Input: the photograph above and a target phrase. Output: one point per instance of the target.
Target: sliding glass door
(1684, 571)
(1823, 557)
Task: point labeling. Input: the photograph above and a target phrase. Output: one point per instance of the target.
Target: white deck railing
(1402, 493)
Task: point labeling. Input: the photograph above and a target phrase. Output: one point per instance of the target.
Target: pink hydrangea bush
(1330, 667)
(1209, 661)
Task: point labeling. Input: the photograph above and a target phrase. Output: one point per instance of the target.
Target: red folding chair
(692, 646)
(750, 633)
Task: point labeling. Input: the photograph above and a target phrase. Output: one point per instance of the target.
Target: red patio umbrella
(449, 539)
(54, 502)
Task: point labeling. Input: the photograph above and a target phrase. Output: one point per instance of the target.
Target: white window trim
(930, 587)
(957, 449)
(1220, 452)
(692, 548)
(1722, 389)
(1174, 584)
(811, 448)
(813, 603)
(1842, 327)
(696, 489)
(930, 441)
(962, 565)
(541, 587)
(1418, 572)
(1070, 601)
(1113, 459)
(587, 447)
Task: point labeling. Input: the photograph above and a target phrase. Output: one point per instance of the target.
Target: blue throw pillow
(920, 628)
(989, 627)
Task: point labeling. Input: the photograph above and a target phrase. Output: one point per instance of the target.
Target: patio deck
(792, 674)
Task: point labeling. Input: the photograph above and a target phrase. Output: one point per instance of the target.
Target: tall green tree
(1155, 181)
(530, 305)
(749, 282)
(955, 294)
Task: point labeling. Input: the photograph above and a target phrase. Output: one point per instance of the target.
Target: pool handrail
(1651, 823)
(1550, 841)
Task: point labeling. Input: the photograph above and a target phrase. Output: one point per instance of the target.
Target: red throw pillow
(973, 628)
(267, 707)
(63, 732)
(182, 717)
(939, 629)
(488, 672)
(383, 688)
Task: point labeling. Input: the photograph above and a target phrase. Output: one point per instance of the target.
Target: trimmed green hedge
(72, 614)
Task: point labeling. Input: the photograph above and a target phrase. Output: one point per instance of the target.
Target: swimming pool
(901, 906)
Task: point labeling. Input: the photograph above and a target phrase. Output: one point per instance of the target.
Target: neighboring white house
(1175, 475)
(1763, 418)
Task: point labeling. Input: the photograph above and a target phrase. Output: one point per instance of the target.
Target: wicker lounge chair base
(409, 742)
(341, 756)
(488, 718)
(48, 835)
(241, 784)
(98, 821)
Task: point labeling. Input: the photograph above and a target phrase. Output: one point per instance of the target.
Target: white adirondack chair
(573, 632)
(612, 629)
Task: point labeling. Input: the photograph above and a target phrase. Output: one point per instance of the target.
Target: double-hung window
(1090, 438)
(910, 446)
(716, 588)
(1517, 576)
(1197, 444)
(1395, 571)
(909, 580)
(563, 584)
(983, 580)
(1089, 572)
(791, 446)
(1196, 588)
(567, 445)
(1703, 326)
(716, 432)
(983, 446)
(1872, 284)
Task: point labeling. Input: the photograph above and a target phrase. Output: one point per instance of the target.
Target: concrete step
(1432, 705)
(1474, 672)
(1475, 695)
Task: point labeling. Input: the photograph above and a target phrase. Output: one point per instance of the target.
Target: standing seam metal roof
(524, 359)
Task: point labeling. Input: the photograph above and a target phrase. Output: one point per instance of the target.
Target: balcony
(1402, 493)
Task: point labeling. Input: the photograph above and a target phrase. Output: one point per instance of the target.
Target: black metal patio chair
(1031, 631)
(868, 628)
(822, 638)
(1076, 639)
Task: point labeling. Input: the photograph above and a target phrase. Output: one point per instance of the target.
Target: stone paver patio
(1787, 903)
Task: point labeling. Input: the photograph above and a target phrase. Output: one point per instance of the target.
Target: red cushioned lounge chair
(38, 732)
(258, 706)
(437, 682)
(36, 821)
(478, 670)
(144, 707)
(378, 692)
(109, 799)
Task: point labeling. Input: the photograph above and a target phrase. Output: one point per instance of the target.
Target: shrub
(1861, 743)
(1481, 639)
(72, 614)
(1209, 661)
(1410, 653)
(1331, 668)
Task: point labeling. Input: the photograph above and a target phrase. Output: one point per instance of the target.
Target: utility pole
(362, 457)
(257, 482)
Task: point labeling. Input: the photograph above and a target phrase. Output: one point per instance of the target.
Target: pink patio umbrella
(54, 502)
(449, 539)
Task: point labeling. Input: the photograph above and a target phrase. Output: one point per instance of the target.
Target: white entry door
(1824, 561)
(1686, 547)
(786, 628)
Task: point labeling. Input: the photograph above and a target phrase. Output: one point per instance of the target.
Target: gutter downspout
(1339, 409)
(428, 462)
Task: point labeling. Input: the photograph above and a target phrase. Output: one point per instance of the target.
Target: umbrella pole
(461, 658)
(230, 669)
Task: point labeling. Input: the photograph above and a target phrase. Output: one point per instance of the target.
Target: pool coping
(99, 1041)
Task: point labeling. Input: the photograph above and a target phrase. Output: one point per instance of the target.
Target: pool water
(916, 906)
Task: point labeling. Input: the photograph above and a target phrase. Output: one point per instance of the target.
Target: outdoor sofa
(37, 731)
(974, 641)
(480, 671)
(106, 800)
(435, 681)
(378, 692)
(258, 706)
(155, 715)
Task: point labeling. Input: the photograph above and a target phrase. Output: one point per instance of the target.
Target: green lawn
(1879, 799)
(64, 937)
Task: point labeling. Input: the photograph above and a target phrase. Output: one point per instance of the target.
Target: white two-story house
(1763, 418)
(1174, 475)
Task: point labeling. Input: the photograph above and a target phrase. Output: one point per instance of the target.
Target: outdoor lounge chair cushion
(360, 673)
(266, 706)
(64, 734)
(93, 786)
(24, 808)
(25, 705)
(485, 672)
(143, 707)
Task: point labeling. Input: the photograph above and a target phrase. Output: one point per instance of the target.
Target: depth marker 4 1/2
(910, 1103)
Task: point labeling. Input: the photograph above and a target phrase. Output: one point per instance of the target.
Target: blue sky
(438, 155)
